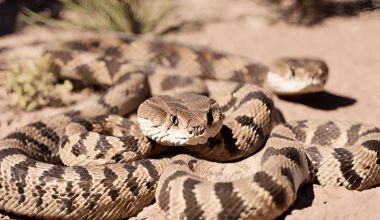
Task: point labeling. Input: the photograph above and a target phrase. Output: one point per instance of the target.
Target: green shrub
(312, 12)
(136, 16)
(34, 86)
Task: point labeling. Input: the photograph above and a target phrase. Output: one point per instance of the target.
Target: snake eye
(293, 73)
(174, 119)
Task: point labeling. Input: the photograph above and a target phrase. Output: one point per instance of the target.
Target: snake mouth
(173, 136)
(282, 86)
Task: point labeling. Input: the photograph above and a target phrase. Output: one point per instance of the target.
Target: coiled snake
(116, 166)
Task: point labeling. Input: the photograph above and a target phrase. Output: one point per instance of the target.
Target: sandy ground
(350, 46)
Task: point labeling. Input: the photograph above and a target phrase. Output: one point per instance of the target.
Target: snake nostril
(202, 131)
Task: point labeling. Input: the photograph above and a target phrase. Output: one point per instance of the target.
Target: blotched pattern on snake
(116, 166)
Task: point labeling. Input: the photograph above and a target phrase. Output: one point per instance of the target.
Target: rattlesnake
(236, 121)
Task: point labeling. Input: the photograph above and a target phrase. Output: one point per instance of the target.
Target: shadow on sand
(321, 100)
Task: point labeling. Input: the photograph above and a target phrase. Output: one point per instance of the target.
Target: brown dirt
(350, 46)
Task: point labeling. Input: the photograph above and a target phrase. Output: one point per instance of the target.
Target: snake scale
(114, 166)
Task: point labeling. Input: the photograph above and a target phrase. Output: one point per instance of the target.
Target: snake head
(188, 119)
(293, 76)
